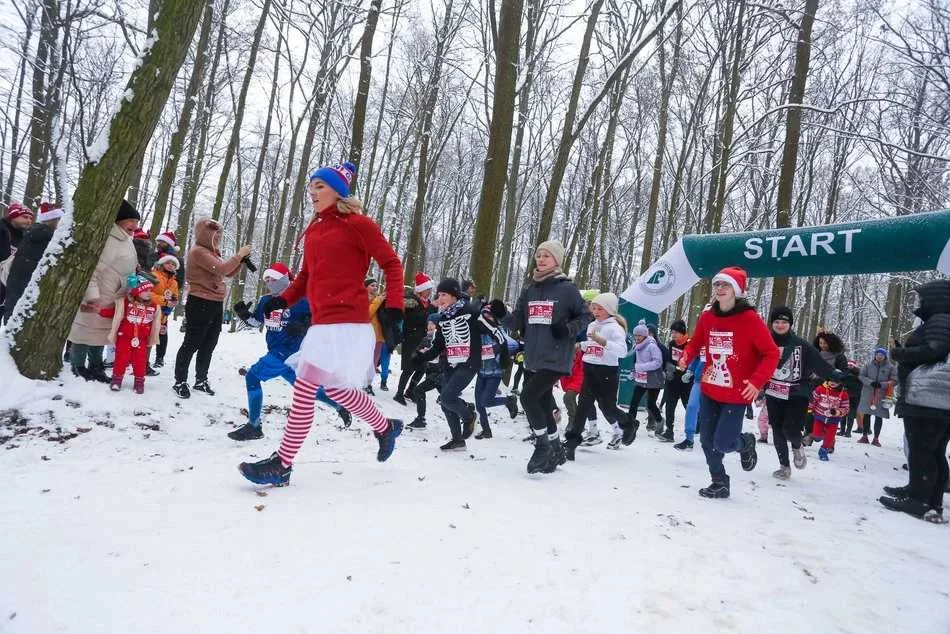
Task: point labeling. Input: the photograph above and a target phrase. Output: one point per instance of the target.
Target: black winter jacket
(27, 256)
(798, 361)
(414, 319)
(928, 344)
(10, 238)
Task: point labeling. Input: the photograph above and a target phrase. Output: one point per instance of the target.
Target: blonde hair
(350, 205)
(621, 321)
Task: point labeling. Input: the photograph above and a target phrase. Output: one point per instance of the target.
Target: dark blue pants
(268, 367)
(485, 389)
(720, 431)
(455, 409)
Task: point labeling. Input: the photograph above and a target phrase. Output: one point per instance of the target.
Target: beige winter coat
(108, 284)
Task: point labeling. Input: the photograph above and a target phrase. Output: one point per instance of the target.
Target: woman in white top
(605, 345)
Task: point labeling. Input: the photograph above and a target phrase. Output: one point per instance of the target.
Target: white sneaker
(800, 459)
(615, 442)
(591, 438)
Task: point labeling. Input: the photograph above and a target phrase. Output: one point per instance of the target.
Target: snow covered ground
(143, 524)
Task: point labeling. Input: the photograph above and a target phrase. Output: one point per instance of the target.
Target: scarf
(453, 310)
(538, 276)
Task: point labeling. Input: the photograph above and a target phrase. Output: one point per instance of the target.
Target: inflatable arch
(919, 242)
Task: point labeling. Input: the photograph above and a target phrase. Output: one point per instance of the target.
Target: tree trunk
(18, 109)
(239, 113)
(793, 131)
(38, 341)
(177, 142)
(362, 90)
(499, 144)
(40, 142)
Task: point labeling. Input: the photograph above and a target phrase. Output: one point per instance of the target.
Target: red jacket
(337, 252)
(829, 402)
(575, 381)
(739, 348)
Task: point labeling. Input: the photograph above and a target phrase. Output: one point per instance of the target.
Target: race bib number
(677, 354)
(273, 320)
(640, 376)
(541, 312)
(595, 351)
(720, 343)
(778, 389)
(456, 354)
(488, 352)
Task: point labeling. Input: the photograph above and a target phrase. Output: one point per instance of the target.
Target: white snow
(131, 529)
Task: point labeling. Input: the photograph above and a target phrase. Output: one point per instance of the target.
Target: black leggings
(537, 400)
(203, 319)
(927, 440)
(785, 417)
(878, 424)
(431, 382)
(674, 391)
(408, 379)
(161, 347)
(600, 385)
(652, 395)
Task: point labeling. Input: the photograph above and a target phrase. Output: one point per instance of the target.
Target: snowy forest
(483, 128)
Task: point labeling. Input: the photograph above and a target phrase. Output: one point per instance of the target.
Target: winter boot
(246, 431)
(907, 505)
(747, 455)
(456, 444)
(800, 459)
(383, 386)
(667, 435)
(159, 363)
(484, 433)
(116, 384)
(417, 423)
(387, 440)
(399, 398)
(782, 473)
(570, 445)
(686, 445)
(898, 492)
(268, 471)
(511, 402)
(543, 459)
(138, 386)
(823, 454)
(346, 417)
(181, 389)
(150, 371)
(718, 490)
(876, 442)
(630, 431)
(202, 386)
(560, 456)
(863, 440)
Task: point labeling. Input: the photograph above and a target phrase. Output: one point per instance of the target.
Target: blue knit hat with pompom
(338, 177)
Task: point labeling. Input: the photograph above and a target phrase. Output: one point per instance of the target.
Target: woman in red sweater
(740, 359)
(338, 348)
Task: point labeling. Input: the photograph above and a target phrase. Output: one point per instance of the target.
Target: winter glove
(274, 302)
(687, 377)
(243, 310)
(559, 329)
(392, 330)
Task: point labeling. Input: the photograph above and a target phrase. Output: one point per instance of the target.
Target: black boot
(570, 445)
(719, 489)
(484, 433)
(468, 425)
(907, 505)
(747, 455)
(898, 492)
(630, 430)
(560, 456)
(543, 459)
(246, 432)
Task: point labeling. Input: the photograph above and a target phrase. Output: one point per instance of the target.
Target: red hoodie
(575, 381)
(739, 348)
(337, 252)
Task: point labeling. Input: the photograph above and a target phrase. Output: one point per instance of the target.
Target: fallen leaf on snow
(259, 507)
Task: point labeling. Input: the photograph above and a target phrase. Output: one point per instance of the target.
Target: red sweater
(739, 348)
(829, 402)
(337, 252)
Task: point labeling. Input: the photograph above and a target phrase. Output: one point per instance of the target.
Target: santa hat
(424, 283)
(144, 286)
(168, 238)
(167, 258)
(140, 234)
(16, 210)
(48, 213)
(734, 276)
(338, 177)
(277, 270)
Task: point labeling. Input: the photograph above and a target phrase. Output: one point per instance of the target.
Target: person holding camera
(206, 271)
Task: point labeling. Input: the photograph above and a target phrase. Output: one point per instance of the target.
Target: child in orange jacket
(165, 296)
(829, 406)
(135, 327)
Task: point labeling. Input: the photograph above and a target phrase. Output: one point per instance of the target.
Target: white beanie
(555, 248)
(607, 301)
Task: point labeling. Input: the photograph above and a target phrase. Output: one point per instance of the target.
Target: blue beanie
(338, 177)
(880, 351)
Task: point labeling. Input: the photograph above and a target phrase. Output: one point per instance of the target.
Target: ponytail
(621, 321)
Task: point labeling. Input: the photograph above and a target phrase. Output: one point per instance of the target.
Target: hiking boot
(716, 490)
(399, 398)
(591, 439)
(138, 386)
(898, 492)
(666, 436)
(268, 471)
(863, 440)
(383, 386)
(876, 442)
(484, 433)
(346, 417)
(246, 431)
(511, 402)
(782, 473)
(181, 389)
(202, 386)
(686, 445)
(387, 440)
(747, 455)
(570, 445)
(456, 444)
(159, 363)
(560, 456)
(417, 423)
(543, 459)
(823, 454)
(799, 458)
(907, 505)
(630, 431)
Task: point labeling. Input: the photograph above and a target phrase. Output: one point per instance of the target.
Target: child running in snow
(433, 371)
(489, 375)
(829, 406)
(134, 329)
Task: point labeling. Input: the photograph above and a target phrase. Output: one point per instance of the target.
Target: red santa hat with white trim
(48, 213)
(277, 270)
(168, 258)
(424, 283)
(734, 276)
(168, 238)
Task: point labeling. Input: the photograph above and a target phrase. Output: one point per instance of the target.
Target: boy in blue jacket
(285, 332)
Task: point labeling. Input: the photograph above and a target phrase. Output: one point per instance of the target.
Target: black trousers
(652, 395)
(203, 320)
(600, 385)
(785, 417)
(430, 382)
(537, 400)
(161, 347)
(674, 391)
(927, 440)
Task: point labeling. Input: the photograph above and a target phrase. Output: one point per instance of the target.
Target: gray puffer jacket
(549, 315)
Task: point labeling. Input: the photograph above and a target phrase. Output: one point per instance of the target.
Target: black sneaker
(543, 460)
(346, 416)
(686, 445)
(150, 371)
(159, 363)
(747, 455)
(399, 398)
(667, 436)
(268, 471)
(898, 492)
(511, 402)
(630, 431)
(456, 444)
(383, 386)
(651, 426)
(369, 390)
(716, 491)
(181, 389)
(907, 505)
(202, 386)
(387, 441)
(417, 423)
(485, 433)
(246, 432)
(560, 455)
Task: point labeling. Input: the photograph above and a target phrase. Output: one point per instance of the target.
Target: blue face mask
(278, 286)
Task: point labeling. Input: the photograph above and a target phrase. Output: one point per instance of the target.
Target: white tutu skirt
(335, 355)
